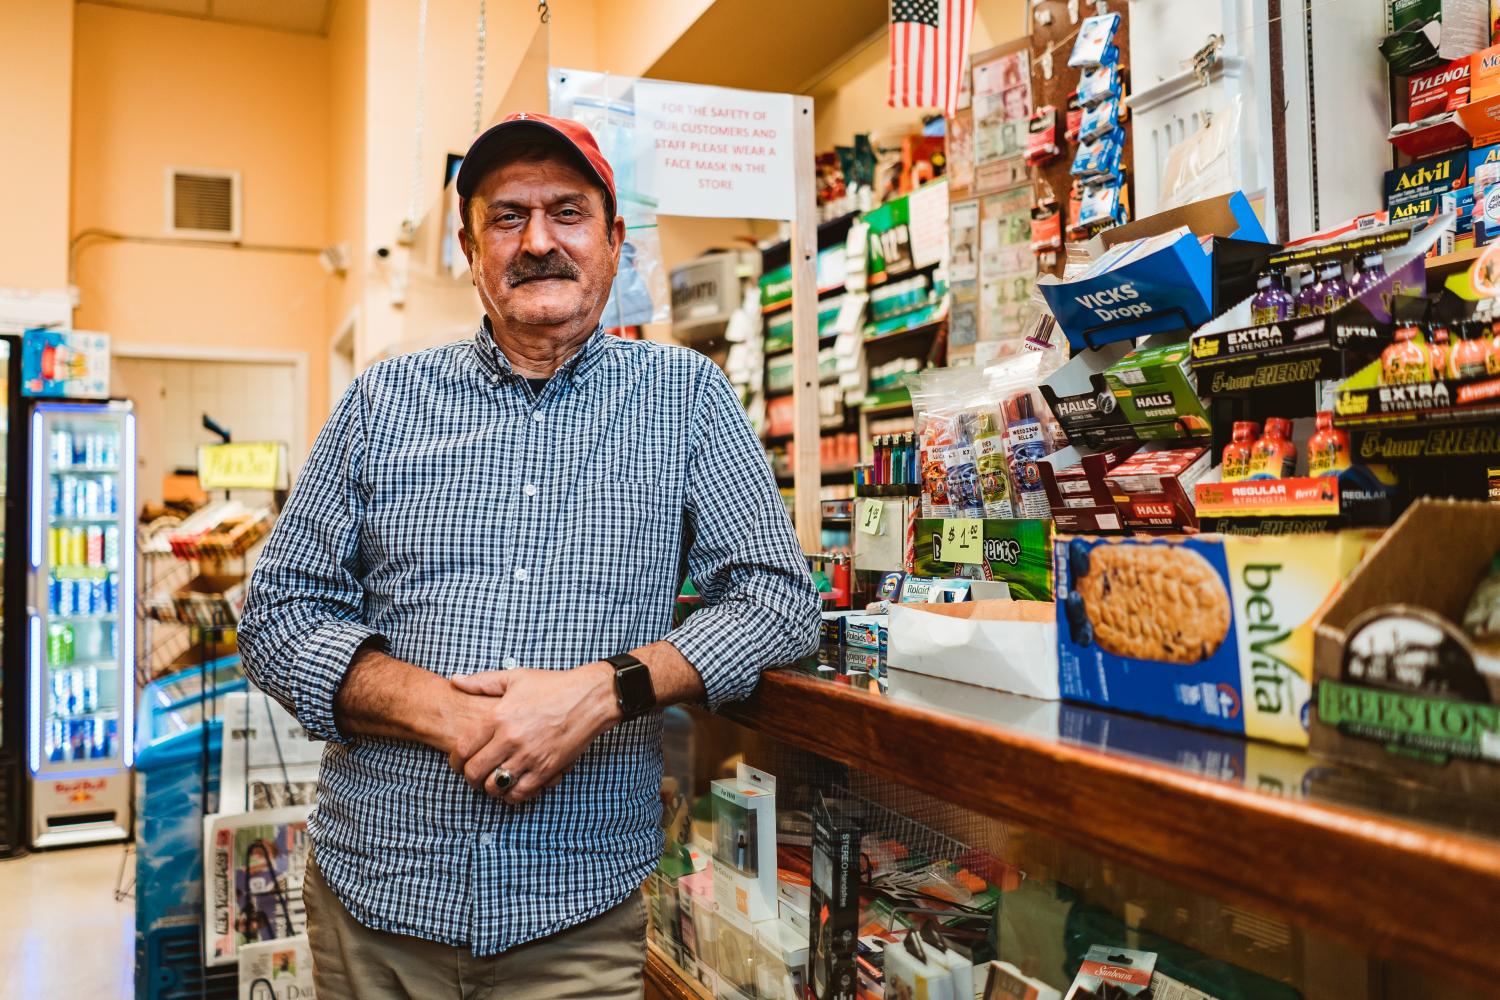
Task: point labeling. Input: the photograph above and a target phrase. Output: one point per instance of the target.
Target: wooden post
(807, 477)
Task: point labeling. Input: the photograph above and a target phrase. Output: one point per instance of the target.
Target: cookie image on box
(1153, 602)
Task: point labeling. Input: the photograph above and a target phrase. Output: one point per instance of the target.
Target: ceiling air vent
(203, 204)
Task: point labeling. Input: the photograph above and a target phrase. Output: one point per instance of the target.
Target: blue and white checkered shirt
(470, 524)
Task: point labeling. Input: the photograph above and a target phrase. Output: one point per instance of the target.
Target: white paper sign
(715, 153)
(928, 209)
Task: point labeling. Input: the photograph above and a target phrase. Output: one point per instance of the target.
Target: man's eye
(570, 213)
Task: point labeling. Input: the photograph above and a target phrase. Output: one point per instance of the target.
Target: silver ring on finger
(503, 778)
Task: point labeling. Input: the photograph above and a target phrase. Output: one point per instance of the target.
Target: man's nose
(536, 238)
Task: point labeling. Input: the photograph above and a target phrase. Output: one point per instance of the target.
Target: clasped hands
(533, 723)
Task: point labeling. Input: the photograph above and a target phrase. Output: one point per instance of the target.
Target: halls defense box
(1210, 630)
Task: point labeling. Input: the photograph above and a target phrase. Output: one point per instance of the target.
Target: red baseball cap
(489, 150)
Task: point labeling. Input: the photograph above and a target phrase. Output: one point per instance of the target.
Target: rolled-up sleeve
(302, 622)
(760, 607)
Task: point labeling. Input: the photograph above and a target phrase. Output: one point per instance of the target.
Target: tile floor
(61, 932)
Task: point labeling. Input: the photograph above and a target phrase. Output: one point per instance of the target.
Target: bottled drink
(1272, 302)
(78, 547)
(1440, 352)
(112, 594)
(1470, 357)
(112, 546)
(1237, 451)
(1333, 290)
(1370, 271)
(1406, 359)
(107, 498)
(1304, 300)
(62, 450)
(1274, 456)
(90, 689)
(1328, 447)
(94, 544)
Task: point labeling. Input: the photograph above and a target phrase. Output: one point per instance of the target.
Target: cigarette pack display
(835, 899)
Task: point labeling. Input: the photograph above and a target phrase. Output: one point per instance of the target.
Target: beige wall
(36, 68)
(154, 91)
(347, 129)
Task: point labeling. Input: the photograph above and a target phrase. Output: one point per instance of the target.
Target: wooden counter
(1389, 868)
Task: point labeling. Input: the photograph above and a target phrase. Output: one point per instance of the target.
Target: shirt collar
(493, 360)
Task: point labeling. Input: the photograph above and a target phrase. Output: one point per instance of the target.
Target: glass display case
(1052, 838)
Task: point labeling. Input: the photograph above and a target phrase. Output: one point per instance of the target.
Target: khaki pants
(600, 958)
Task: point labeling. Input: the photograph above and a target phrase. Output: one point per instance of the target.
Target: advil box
(1210, 630)
(1426, 178)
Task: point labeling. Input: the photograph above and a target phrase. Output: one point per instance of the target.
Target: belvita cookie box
(1209, 630)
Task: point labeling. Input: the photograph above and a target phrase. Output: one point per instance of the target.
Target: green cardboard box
(1018, 551)
(1158, 393)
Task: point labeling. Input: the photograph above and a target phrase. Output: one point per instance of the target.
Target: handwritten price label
(869, 517)
(961, 540)
(253, 465)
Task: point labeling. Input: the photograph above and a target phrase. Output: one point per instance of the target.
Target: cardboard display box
(1158, 393)
(1400, 687)
(1003, 645)
(1211, 630)
(1017, 552)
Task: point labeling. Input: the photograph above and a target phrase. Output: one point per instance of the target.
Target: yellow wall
(36, 67)
(153, 91)
(346, 160)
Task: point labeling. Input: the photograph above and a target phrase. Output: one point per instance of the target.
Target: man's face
(539, 249)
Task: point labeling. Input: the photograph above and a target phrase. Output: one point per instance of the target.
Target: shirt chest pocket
(442, 526)
(624, 539)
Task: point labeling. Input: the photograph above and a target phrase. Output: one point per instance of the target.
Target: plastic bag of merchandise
(1029, 434)
(945, 447)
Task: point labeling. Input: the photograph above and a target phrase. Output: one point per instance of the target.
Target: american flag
(929, 52)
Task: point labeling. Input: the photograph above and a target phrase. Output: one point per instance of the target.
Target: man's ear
(467, 245)
(617, 229)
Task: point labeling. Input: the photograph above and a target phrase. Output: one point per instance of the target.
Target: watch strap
(635, 694)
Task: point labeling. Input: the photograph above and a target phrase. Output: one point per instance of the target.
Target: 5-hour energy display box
(1210, 630)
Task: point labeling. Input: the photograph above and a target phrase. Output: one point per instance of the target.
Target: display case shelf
(1403, 871)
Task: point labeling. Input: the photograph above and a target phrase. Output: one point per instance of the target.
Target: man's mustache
(529, 268)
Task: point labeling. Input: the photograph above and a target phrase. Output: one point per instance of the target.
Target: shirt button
(494, 380)
(486, 839)
(537, 416)
(509, 663)
(529, 489)
(519, 575)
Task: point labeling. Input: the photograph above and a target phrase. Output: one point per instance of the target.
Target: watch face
(633, 688)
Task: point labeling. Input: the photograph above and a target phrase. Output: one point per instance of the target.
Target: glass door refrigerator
(15, 833)
(81, 632)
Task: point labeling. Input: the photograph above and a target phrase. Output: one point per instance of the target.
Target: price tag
(869, 518)
(961, 540)
(254, 465)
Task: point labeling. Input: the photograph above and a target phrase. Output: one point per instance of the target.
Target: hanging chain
(410, 224)
(479, 33)
(543, 12)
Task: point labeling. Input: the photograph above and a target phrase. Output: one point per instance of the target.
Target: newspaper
(253, 866)
(277, 970)
(267, 760)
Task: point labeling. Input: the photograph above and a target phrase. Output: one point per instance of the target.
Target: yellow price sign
(869, 518)
(253, 465)
(960, 540)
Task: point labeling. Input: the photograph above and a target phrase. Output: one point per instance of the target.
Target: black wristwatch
(634, 692)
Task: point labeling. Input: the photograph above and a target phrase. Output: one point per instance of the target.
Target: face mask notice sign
(712, 152)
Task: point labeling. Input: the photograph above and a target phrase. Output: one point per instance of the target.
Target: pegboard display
(1054, 29)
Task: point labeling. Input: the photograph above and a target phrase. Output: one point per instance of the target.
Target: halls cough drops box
(1209, 630)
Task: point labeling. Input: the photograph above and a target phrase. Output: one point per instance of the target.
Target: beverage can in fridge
(98, 740)
(78, 546)
(88, 498)
(111, 736)
(75, 692)
(111, 453)
(112, 594)
(107, 498)
(59, 691)
(112, 546)
(66, 597)
(95, 545)
(98, 603)
(66, 631)
(62, 450)
(54, 649)
(90, 689)
(54, 595)
(78, 739)
(57, 740)
(54, 546)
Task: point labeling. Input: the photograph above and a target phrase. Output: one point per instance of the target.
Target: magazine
(253, 866)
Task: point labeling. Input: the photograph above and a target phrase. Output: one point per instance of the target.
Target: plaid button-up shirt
(468, 524)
